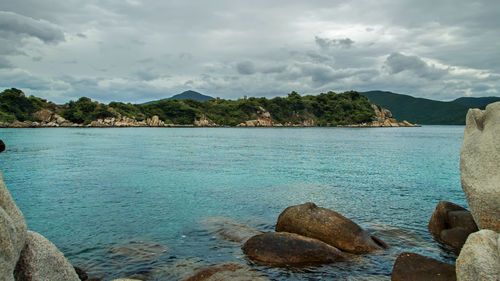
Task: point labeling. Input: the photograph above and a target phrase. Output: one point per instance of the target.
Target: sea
(142, 202)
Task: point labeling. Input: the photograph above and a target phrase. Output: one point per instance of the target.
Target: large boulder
(282, 248)
(41, 260)
(480, 165)
(12, 232)
(480, 257)
(414, 267)
(226, 272)
(328, 226)
(450, 224)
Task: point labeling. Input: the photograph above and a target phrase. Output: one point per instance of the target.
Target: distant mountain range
(427, 111)
(187, 95)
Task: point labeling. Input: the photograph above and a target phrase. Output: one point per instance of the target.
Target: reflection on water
(141, 202)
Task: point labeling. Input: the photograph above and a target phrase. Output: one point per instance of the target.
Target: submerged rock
(228, 229)
(12, 232)
(328, 226)
(2, 146)
(414, 267)
(226, 272)
(282, 248)
(139, 252)
(41, 260)
(480, 257)
(450, 224)
(480, 165)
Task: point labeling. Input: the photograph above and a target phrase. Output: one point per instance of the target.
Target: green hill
(481, 102)
(420, 110)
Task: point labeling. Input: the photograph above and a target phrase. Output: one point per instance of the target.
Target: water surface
(89, 190)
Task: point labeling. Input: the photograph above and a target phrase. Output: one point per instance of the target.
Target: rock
(328, 226)
(138, 252)
(204, 122)
(44, 115)
(479, 259)
(155, 122)
(454, 237)
(282, 248)
(41, 260)
(12, 232)
(226, 272)
(2, 146)
(81, 273)
(125, 279)
(227, 229)
(480, 165)
(414, 267)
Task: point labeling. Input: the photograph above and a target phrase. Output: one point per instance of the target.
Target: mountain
(481, 102)
(420, 110)
(186, 95)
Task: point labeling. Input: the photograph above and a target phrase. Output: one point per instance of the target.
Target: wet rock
(226, 272)
(41, 260)
(228, 229)
(126, 279)
(479, 259)
(450, 224)
(282, 248)
(12, 232)
(139, 252)
(480, 165)
(328, 226)
(414, 267)
(81, 273)
(2, 146)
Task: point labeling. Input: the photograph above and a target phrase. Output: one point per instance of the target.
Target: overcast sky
(133, 50)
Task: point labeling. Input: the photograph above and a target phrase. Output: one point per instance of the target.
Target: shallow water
(92, 190)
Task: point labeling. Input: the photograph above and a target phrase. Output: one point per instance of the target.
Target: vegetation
(480, 103)
(418, 110)
(326, 109)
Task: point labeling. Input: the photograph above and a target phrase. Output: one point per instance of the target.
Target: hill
(481, 102)
(185, 96)
(420, 110)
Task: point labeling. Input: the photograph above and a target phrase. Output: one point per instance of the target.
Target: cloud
(4, 63)
(325, 43)
(18, 24)
(397, 62)
(245, 67)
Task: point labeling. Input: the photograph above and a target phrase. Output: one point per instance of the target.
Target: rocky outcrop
(480, 257)
(328, 226)
(383, 118)
(282, 248)
(226, 272)
(451, 224)
(12, 232)
(203, 121)
(41, 260)
(263, 120)
(414, 267)
(228, 229)
(480, 165)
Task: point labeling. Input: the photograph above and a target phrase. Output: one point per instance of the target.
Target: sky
(137, 51)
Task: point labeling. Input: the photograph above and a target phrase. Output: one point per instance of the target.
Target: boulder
(2, 146)
(41, 260)
(480, 165)
(454, 237)
(479, 259)
(44, 115)
(282, 248)
(228, 229)
(226, 272)
(12, 232)
(328, 226)
(414, 267)
(81, 273)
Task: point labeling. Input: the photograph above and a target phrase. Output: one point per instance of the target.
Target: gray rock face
(12, 232)
(41, 261)
(328, 226)
(480, 165)
(480, 257)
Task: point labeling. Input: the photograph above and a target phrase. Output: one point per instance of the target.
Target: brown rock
(2, 146)
(414, 267)
(282, 248)
(455, 237)
(463, 219)
(229, 271)
(439, 219)
(328, 226)
(44, 115)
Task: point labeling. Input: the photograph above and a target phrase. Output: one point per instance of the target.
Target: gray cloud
(18, 24)
(123, 50)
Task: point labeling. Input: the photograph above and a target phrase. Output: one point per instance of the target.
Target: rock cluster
(384, 118)
(451, 224)
(308, 234)
(26, 255)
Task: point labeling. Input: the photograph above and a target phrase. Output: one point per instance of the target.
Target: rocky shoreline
(49, 119)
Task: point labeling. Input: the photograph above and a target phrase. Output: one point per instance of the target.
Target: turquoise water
(91, 189)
